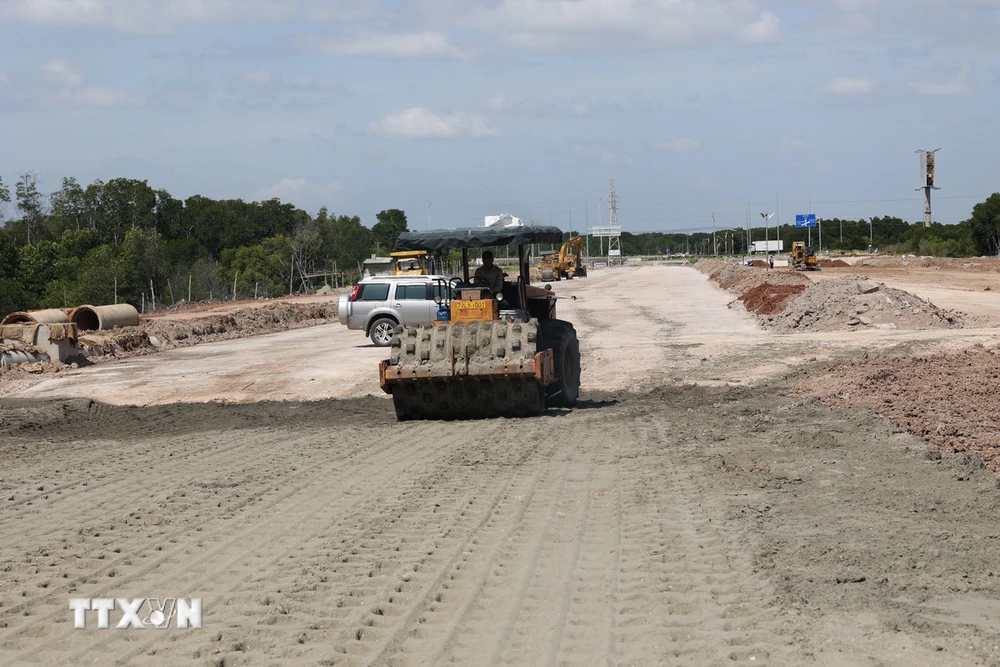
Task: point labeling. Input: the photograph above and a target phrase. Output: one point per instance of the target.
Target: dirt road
(639, 328)
(657, 523)
(685, 526)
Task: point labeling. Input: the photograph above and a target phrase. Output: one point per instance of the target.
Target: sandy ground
(639, 328)
(658, 523)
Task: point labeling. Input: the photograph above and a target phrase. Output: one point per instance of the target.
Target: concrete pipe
(92, 318)
(14, 357)
(50, 316)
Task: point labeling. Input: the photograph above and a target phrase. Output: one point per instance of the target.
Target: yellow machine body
(410, 263)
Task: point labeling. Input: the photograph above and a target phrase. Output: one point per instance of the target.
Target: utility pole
(749, 230)
(927, 181)
(715, 244)
(809, 230)
(767, 240)
(615, 239)
(777, 219)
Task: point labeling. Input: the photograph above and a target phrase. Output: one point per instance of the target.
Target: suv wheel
(381, 331)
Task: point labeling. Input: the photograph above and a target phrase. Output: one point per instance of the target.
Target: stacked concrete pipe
(49, 316)
(93, 318)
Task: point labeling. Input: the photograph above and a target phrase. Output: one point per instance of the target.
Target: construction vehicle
(803, 258)
(411, 263)
(557, 266)
(490, 355)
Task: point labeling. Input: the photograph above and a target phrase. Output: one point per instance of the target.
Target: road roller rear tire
(560, 337)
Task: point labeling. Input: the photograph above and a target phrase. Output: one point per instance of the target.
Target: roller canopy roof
(477, 237)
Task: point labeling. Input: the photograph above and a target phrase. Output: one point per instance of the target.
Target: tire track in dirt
(429, 623)
(114, 492)
(116, 464)
(525, 538)
(361, 631)
(689, 595)
(304, 480)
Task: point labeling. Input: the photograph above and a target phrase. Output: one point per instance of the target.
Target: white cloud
(429, 45)
(843, 85)
(142, 16)
(300, 189)
(541, 108)
(850, 25)
(499, 103)
(855, 5)
(263, 83)
(604, 156)
(959, 85)
(602, 24)
(765, 30)
(421, 123)
(94, 96)
(344, 10)
(793, 145)
(259, 77)
(74, 92)
(679, 145)
(63, 72)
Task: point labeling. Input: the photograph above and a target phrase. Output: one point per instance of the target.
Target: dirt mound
(859, 302)
(768, 298)
(833, 263)
(738, 278)
(163, 333)
(787, 301)
(949, 399)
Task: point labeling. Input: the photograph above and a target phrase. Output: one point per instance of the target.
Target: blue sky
(477, 107)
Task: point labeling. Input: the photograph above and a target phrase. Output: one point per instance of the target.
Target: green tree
(4, 198)
(391, 223)
(346, 241)
(262, 269)
(12, 295)
(29, 202)
(141, 262)
(67, 206)
(984, 226)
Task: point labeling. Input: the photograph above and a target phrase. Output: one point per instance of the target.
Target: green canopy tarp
(477, 237)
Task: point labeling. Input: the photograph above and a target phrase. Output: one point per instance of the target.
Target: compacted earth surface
(723, 493)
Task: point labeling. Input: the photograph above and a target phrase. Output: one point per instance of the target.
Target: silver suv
(379, 303)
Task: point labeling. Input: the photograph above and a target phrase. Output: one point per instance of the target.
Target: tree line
(122, 241)
(976, 236)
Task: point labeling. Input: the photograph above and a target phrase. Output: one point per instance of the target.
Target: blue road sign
(805, 220)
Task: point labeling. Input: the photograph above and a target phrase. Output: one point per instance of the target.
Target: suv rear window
(374, 292)
(418, 291)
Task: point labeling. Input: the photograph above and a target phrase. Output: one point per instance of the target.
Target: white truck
(767, 247)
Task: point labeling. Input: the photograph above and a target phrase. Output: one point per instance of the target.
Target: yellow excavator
(410, 263)
(803, 258)
(501, 354)
(557, 266)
